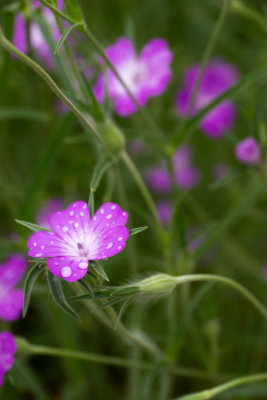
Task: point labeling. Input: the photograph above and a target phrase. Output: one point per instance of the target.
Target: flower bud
(112, 136)
(157, 284)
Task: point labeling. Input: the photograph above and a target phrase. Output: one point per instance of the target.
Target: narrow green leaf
(58, 295)
(28, 285)
(65, 34)
(96, 110)
(23, 113)
(235, 173)
(134, 231)
(32, 227)
(122, 310)
(88, 296)
(84, 284)
(107, 304)
(99, 270)
(99, 170)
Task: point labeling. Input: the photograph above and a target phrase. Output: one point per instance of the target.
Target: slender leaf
(32, 227)
(122, 310)
(107, 304)
(84, 284)
(65, 34)
(99, 270)
(28, 285)
(134, 231)
(23, 113)
(58, 295)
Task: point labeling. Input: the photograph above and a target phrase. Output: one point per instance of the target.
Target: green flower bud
(157, 284)
(112, 136)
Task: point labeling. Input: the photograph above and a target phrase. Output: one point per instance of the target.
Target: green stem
(244, 10)
(211, 393)
(142, 187)
(207, 54)
(25, 347)
(7, 45)
(229, 282)
(58, 12)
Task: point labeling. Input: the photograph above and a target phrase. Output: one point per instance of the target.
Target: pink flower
(164, 210)
(186, 175)
(76, 238)
(52, 205)
(220, 170)
(38, 41)
(248, 151)
(159, 180)
(146, 75)
(8, 348)
(11, 298)
(218, 77)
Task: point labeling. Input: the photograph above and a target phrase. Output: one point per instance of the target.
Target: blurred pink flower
(51, 205)
(11, 298)
(220, 170)
(37, 39)
(164, 210)
(217, 78)
(146, 75)
(8, 348)
(186, 175)
(248, 151)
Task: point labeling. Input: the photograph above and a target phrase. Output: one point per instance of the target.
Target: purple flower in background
(186, 176)
(248, 151)
(11, 298)
(8, 348)
(264, 270)
(37, 39)
(77, 238)
(146, 75)
(52, 205)
(221, 170)
(137, 147)
(164, 210)
(217, 78)
(159, 180)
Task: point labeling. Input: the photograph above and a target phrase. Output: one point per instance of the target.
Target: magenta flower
(37, 39)
(77, 238)
(52, 205)
(164, 210)
(8, 348)
(248, 151)
(159, 180)
(220, 170)
(11, 298)
(146, 75)
(218, 77)
(186, 175)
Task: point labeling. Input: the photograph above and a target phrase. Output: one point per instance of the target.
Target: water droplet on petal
(109, 245)
(83, 265)
(65, 272)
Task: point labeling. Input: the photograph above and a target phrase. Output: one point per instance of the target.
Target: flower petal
(121, 51)
(68, 268)
(109, 215)
(48, 244)
(71, 225)
(111, 241)
(11, 305)
(156, 57)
